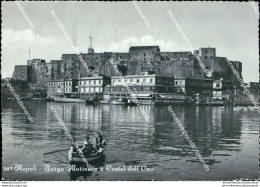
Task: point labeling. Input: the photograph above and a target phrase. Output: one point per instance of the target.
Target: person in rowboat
(85, 144)
(90, 148)
(100, 141)
(73, 145)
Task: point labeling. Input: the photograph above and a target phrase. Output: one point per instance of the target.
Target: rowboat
(74, 157)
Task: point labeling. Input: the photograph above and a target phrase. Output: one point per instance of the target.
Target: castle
(139, 59)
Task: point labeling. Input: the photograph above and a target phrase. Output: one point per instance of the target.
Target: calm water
(227, 140)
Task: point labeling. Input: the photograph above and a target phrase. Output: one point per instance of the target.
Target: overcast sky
(230, 27)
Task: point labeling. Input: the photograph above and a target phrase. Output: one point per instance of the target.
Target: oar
(55, 151)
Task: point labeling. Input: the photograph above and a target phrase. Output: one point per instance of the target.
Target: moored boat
(90, 101)
(68, 100)
(104, 101)
(118, 102)
(130, 102)
(48, 99)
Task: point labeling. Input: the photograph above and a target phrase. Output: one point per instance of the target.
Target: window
(99, 82)
(151, 80)
(218, 85)
(94, 82)
(206, 57)
(137, 80)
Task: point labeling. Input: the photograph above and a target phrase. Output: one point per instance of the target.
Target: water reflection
(223, 137)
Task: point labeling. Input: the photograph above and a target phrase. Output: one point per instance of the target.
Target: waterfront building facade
(62, 87)
(223, 91)
(223, 88)
(143, 85)
(191, 86)
(55, 88)
(166, 67)
(196, 90)
(90, 87)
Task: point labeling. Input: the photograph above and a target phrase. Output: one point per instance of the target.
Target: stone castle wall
(137, 60)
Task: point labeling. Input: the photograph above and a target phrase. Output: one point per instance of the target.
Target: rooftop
(144, 47)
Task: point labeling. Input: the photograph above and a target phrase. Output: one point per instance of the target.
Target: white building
(90, 86)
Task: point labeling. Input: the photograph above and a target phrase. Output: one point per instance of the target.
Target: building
(40, 74)
(143, 85)
(55, 88)
(190, 86)
(137, 60)
(223, 91)
(63, 87)
(23, 72)
(144, 53)
(196, 90)
(90, 87)
(254, 88)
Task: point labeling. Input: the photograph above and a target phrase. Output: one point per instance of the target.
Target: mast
(29, 53)
(90, 41)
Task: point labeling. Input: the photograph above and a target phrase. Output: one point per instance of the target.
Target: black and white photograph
(130, 91)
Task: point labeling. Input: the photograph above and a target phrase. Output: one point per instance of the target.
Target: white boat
(68, 100)
(104, 101)
(251, 108)
(118, 102)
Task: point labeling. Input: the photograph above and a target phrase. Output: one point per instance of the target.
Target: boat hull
(90, 102)
(104, 102)
(118, 103)
(68, 100)
(75, 158)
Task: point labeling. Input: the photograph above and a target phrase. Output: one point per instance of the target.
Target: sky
(230, 27)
